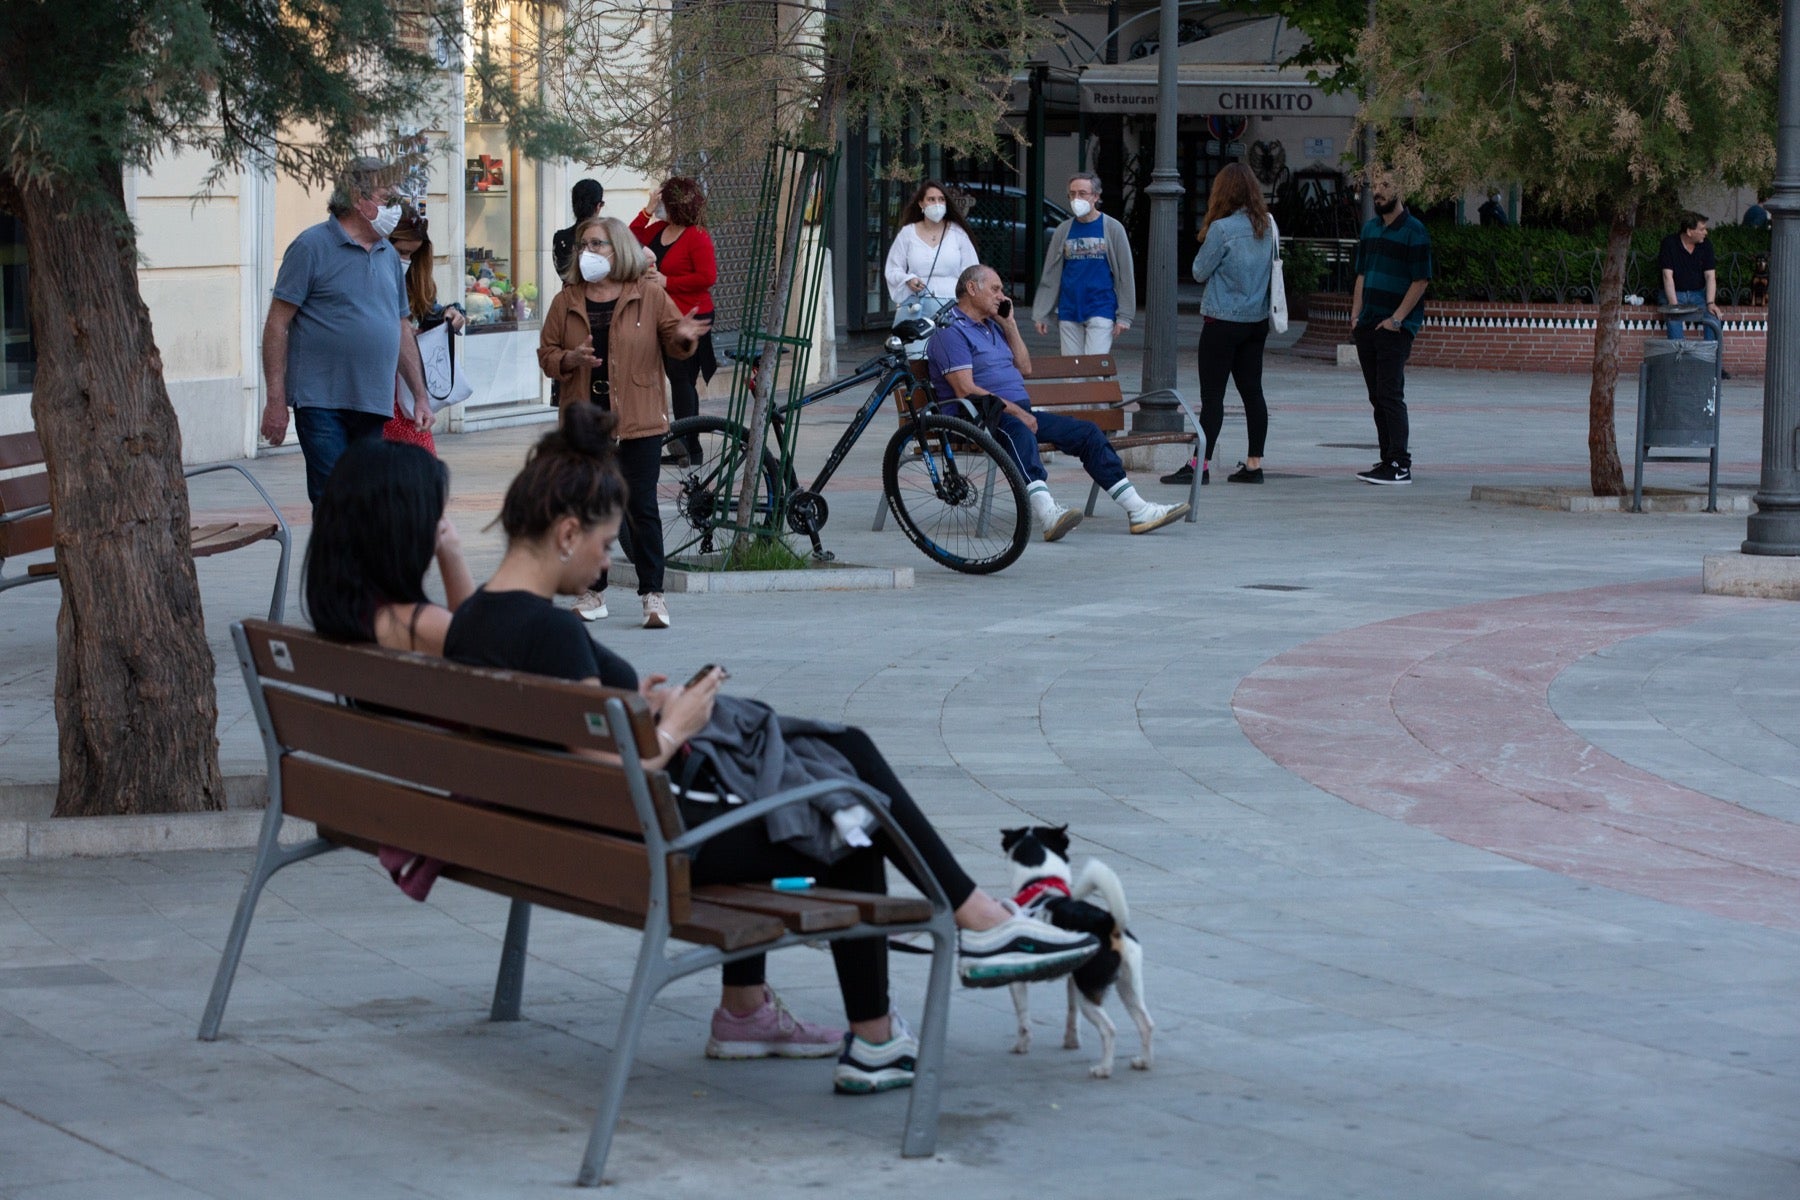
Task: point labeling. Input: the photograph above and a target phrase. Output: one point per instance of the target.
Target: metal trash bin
(1678, 407)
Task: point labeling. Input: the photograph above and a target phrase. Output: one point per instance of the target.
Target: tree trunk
(1605, 473)
(136, 715)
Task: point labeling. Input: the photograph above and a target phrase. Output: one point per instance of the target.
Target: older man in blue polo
(339, 326)
(980, 352)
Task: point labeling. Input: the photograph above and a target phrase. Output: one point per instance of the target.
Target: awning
(1234, 73)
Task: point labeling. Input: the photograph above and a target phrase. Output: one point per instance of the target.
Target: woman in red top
(686, 268)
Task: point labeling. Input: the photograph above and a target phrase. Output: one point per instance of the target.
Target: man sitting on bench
(980, 353)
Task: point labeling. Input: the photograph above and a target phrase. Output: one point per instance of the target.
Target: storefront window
(18, 355)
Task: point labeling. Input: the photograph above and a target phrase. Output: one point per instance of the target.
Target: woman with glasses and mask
(603, 341)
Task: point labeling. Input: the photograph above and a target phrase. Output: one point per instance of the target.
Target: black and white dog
(1044, 888)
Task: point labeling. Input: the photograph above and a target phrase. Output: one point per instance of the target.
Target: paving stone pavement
(1350, 1002)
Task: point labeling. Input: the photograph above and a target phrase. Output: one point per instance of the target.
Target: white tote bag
(1278, 309)
(443, 382)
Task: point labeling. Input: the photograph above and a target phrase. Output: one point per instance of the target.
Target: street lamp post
(1774, 529)
(1160, 333)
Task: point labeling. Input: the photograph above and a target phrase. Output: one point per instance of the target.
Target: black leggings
(641, 534)
(746, 855)
(1233, 349)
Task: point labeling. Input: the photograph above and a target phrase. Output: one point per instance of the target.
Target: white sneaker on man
(1055, 520)
(591, 605)
(1155, 516)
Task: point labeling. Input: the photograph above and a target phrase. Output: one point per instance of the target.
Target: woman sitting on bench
(561, 515)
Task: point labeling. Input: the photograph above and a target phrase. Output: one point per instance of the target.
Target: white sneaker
(1020, 949)
(1155, 516)
(591, 606)
(1058, 525)
(656, 613)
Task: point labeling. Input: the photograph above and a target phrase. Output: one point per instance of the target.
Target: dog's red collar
(1034, 891)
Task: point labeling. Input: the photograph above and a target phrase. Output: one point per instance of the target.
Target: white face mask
(1081, 208)
(595, 267)
(934, 213)
(386, 219)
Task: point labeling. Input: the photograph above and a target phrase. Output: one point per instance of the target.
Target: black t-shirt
(600, 315)
(562, 249)
(520, 631)
(1690, 269)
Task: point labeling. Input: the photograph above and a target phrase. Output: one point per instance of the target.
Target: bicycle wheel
(956, 493)
(698, 494)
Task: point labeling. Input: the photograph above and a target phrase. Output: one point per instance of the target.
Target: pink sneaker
(770, 1032)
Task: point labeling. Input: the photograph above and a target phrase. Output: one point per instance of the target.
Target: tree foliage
(651, 85)
(1610, 107)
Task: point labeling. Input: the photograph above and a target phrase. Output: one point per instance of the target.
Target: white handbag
(444, 384)
(1278, 308)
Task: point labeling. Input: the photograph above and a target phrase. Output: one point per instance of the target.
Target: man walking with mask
(1393, 268)
(339, 326)
(1089, 279)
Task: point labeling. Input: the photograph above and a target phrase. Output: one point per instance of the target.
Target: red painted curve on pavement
(1443, 720)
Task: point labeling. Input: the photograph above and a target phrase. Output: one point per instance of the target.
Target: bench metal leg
(1194, 497)
(881, 511)
(1093, 498)
(270, 858)
(652, 973)
(920, 1137)
(986, 516)
(278, 602)
(510, 983)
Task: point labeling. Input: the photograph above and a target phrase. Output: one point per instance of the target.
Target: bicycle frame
(889, 369)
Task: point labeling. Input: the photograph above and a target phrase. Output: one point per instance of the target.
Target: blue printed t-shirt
(978, 346)
(344, 342)
(1087, 282)
(1391, 258)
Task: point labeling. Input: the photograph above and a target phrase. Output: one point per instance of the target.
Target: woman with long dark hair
(560, 516)
(932, 249)
(1238, 245)
(376, 529)
(412, 239)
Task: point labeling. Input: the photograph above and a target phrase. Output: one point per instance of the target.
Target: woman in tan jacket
(603, 341)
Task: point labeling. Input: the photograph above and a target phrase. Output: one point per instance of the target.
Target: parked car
(996, 217)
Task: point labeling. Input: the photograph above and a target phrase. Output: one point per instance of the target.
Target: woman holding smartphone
(560, 516)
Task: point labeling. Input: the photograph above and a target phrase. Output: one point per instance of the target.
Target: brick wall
(1530, 337)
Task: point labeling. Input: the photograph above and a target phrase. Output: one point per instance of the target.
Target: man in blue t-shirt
(1088, 277)
(981, 353)
(339, 326)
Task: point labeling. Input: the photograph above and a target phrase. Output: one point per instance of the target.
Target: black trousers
(641, 533)
(684, 382)
(1383, 354)
(746, 855)
(1233, 349)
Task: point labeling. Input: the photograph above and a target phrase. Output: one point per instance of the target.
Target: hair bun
(587, 429)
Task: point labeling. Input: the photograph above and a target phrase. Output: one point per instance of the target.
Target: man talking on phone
(980, 353)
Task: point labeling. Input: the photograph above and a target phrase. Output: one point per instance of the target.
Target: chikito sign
(1118, 94)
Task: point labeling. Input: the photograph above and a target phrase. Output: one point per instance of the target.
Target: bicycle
(929, 474)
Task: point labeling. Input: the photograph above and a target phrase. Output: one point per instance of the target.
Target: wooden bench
(25, 520)
(1087, 387)
(378, 747)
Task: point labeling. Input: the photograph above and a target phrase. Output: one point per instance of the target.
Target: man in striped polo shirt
(1393, 267)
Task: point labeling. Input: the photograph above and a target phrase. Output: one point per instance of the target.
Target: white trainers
(864, 1069)
(656, 613)
(1020, 949)
(1061, 523)
(1155, 516)
(590, 606)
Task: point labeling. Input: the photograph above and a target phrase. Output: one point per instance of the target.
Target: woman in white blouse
(933, 248)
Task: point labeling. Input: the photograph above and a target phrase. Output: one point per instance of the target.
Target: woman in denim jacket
(1237, 254)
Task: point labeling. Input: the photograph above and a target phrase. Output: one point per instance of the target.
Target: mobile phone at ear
(708, 669)
(1005, 309)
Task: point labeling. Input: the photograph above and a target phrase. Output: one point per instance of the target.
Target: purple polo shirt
(981, 347)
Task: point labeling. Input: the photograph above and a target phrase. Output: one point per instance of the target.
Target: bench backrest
(1078, 385)
(467, 766)
(22, 491)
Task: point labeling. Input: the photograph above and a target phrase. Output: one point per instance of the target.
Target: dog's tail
(1096, 876)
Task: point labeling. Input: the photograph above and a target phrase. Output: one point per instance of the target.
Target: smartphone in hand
(1005, 309)
(708, 669)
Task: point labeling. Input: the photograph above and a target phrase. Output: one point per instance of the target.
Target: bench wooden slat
(800, 911)
(874, 909)
(509, 702)
(205, 540)
(1129, 440)
(568, 788)
(20, 450)
(24, 491)
(1077, 394)
(563, 859)
(1073, 366)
